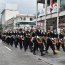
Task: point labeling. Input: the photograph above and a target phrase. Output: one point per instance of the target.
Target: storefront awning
(25, 23)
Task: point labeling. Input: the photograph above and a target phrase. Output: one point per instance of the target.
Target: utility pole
(58, 7)
(45, 14)
(36, 12)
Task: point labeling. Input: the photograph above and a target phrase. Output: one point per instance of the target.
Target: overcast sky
(24, 6)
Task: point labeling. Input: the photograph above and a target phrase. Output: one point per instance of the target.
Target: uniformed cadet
(11, 40)
(8, 40)
(20, 42)
(35, 45)
(61, 42)
(50, 43)
(16, 41)
(40, 45)
(44, 41)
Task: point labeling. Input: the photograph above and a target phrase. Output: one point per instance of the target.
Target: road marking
(8, 48)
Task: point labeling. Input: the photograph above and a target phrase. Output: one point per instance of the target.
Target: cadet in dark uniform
(11, 40)
(8, 40)
(44, 41)
(40, 45)
(20, 42)
(49, 43)
(61, 42)
(25, 43)
(16, 41)
(35, 45)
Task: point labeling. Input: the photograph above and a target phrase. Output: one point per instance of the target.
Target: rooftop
(24, 15)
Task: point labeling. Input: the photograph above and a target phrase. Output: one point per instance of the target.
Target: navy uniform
(16, 41)
(61, 42)
(20, 42)
(35, 45)
(50, 43)
(11, 40)
(40, 45)
(44, 41)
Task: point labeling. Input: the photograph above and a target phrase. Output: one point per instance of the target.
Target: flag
(51, 5)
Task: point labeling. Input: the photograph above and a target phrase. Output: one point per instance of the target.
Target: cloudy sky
(24, 6)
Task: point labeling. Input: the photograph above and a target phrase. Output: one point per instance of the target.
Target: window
(24, 18)
(13, 20)
(31, 19)
(21, 18)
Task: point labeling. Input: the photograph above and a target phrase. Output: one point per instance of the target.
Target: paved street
(14, 56)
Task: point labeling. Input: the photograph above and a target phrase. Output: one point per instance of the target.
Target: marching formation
(34, 40)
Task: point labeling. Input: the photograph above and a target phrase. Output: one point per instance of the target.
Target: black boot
(34, 53)
(42, 54)
(54, 53)
(46, 51)
(64, 50)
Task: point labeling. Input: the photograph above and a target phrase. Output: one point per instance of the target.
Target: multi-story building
(8, 12)
(55, 18)
(21, 21)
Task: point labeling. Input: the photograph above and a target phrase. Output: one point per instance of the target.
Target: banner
(51, 5)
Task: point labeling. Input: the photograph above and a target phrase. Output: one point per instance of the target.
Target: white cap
(38, 37)
(52, 38)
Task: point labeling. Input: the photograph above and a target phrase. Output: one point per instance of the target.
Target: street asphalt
(14, 56)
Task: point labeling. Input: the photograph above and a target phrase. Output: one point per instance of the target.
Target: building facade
(8, 14)
(9, 11)
(21, 21)
(54, 19)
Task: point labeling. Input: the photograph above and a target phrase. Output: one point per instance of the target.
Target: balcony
(49, 16)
